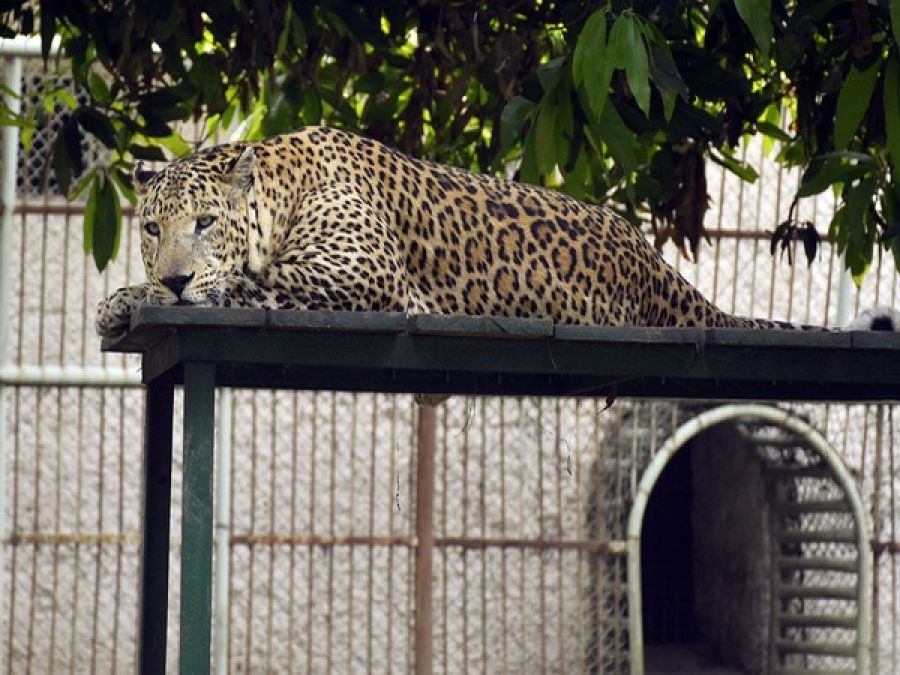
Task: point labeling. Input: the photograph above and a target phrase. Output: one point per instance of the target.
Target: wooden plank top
(392, 352)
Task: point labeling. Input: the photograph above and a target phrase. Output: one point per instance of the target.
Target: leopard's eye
(204, 222)
(152, 228)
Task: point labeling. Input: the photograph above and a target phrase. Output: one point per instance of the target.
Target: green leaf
(852, 103)
(819, 177)
(756, 14)
(590, 47)
(637, 69)
(666, 77)
(105, 216)
(545, 135)
(575, 184)
(99, 89)
(123, 182)
(618, 42)
(48, 27)
(90, 211)
(513, 117)
(895, 20)
(892, 106)
(619, 139)
(550, 73)
(853, 229)
(149, 153)
(97, 124)
(528, 169)
(773, 131)
(174, 144)
(739, 169)
(565, 125)
(62, 164)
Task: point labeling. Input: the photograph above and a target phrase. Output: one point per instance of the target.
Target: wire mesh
(529, 493)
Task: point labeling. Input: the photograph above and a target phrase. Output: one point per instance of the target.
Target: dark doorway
(667, 542)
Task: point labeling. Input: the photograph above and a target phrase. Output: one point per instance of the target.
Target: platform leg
(197, 518)
(155, 548)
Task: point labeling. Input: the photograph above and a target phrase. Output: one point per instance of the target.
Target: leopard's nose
(177, 284)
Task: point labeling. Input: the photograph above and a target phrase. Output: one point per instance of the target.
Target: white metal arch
(813, 440)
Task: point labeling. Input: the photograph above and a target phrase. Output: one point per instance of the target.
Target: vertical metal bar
(13, 82)
(98, 566)
(332, 530)
(394, 471)
(464, 508)
(222, 572)
(503, 533)
(520, 517)
(877, 530)
(273, 505)
(482, 503)
(445, 632)
(310, 573)
(251, 551)
(560, 463)
(155, 549)
(424, 646)
(351, 529)
(892, 509)
(539, 437)
(292, 580)
(197, 518)
(232, 433)
(373, 453)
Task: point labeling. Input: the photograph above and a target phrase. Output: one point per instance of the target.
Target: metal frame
(675, 442)
(388, 352)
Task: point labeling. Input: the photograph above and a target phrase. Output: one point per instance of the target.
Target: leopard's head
(195, 216)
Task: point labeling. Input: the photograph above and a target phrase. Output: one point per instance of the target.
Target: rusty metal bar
(354, 410)
(332, 488)
(424, 635)
(373, 453)
(889, 547)
(60, 210)
(293, 521)
(53, 538)
(612, 546)
(445, 648)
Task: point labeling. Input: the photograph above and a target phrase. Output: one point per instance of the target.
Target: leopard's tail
(877, 318)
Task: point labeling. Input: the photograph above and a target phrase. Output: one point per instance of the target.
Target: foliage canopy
(617, 102)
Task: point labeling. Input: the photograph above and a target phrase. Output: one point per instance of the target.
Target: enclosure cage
(774, 534)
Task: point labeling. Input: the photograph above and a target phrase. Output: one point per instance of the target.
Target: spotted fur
(324, 219)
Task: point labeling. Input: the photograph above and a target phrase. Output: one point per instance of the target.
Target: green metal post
(155, 551)
(197, 518)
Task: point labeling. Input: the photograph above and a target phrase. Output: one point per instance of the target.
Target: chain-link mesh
(36, 176)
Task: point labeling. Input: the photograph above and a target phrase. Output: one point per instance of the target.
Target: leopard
(325, 219)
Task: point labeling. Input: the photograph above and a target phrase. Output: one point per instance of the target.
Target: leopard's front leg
(114, 313)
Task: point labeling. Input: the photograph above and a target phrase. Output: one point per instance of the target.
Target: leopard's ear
(240, 174)
(142, 176)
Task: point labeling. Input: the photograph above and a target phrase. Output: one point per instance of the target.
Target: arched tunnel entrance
(748, 551)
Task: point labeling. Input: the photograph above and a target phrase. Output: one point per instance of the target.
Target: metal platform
(361, 351)
(208, 348)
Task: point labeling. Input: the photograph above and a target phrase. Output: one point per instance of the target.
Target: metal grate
(36, 176)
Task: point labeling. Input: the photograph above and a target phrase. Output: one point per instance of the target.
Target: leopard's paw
(114, 313)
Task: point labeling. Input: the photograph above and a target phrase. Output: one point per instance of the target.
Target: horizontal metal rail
(68, 376)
